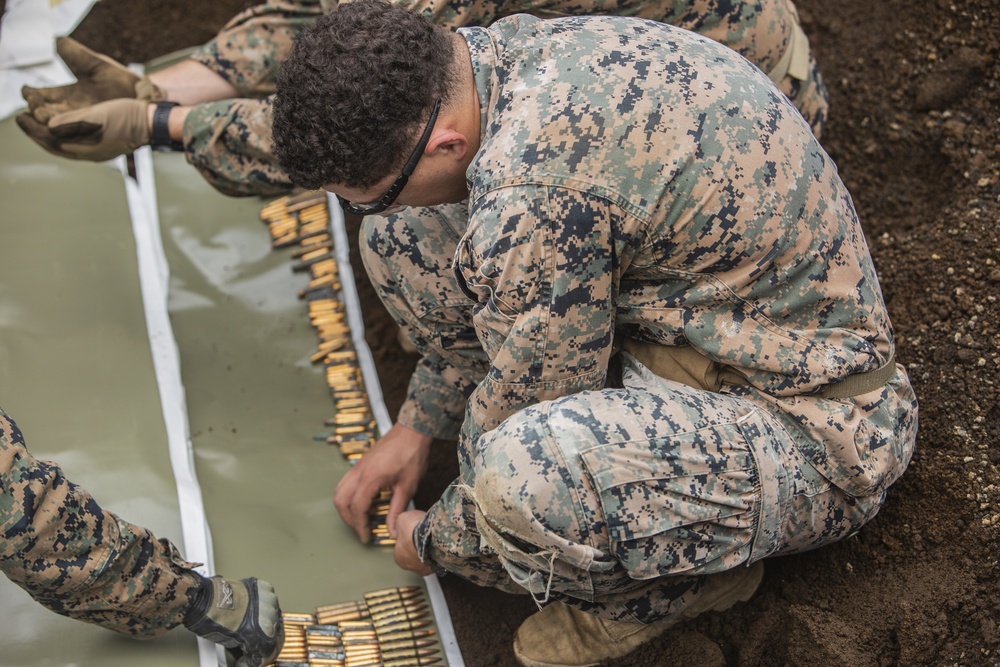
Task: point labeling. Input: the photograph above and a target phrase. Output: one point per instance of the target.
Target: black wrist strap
(159, 139)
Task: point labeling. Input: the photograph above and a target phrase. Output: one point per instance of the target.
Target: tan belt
(862, 383)
(795, 60)
(691, 367)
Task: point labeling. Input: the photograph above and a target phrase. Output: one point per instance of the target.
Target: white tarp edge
(341, 247)
(154, 275)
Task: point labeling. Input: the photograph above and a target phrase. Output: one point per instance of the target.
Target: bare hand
(406, 553)
(395, 463)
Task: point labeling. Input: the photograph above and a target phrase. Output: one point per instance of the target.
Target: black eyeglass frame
(389, 198)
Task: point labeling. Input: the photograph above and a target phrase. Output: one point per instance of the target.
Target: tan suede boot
(562, 636)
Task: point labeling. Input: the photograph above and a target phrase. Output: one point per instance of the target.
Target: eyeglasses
(389, 198)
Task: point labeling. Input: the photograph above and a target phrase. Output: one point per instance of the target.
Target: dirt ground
(915, 130)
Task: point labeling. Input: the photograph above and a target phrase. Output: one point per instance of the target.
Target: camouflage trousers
(80, 560)
(229, 141)
(622, 501)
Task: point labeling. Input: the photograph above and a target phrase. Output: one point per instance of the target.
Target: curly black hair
(355, 93)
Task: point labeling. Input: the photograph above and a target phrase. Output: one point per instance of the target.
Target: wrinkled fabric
(80, 560)
(638, 180)
(229, 142)
(621, 502)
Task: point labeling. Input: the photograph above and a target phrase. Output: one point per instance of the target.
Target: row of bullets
(353, 422)
(329, 319)
(389, 628)
(301, 219)
(376, 520)
(297, 219)
(323, 271)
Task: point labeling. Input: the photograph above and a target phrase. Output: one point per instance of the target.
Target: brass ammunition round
(414, 644)
(403, 653)
(351, 604)
(382, 618)
(358, 650)
(293, 617)
(325, 643)
(403, 597)
(397, 603)
(323, 629)
(292, 656)
(353, 626)
(340, 617)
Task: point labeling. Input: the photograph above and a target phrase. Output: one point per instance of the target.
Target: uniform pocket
(687, 503)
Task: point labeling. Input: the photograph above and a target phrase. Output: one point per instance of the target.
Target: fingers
(80, 60)
(353, 498)
(40, 134)
(80, 131)
(46, 103)
(401, 497)
(405, 552)
(270, 613)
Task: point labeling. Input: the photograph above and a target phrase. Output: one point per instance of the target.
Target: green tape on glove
(243, 616)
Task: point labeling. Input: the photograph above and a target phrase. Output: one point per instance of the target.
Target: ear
(448, 143)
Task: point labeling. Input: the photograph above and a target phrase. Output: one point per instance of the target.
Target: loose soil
(915, 130)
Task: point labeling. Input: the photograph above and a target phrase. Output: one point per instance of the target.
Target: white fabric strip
(154, 276)
(342, 252)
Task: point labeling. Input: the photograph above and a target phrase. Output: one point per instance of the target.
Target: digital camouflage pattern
(639, 181)
(78, 559)
(229, 141)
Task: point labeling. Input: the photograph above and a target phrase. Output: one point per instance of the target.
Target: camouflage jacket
(229, 142)
(80, 560)
(635, 179)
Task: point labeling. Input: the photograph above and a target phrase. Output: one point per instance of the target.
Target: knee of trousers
(528, 510)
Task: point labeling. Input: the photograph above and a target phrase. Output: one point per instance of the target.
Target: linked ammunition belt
(302, 222)
(390, 627)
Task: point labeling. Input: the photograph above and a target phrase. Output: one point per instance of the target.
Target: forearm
(190, 82)
(250, 48)
(229, 143)
(435, 398)
(78, 559)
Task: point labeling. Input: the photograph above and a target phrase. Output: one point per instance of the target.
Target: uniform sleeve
(250, 48)
(229, 143)
(79, 560)
(542, 265)
(408, 258)
(455, 14)
(436, 395)
(448, 538)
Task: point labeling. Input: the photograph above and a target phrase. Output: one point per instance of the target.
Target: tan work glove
(99, 78)
(97, 133)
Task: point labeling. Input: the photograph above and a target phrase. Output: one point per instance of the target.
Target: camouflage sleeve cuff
(432, 407)
(229, 143)
(446, 540)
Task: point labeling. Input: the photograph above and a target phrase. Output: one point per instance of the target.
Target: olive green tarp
(76, 373)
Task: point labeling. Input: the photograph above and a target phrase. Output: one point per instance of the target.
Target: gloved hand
(97, 133)
(99, 79)
(242, 616)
